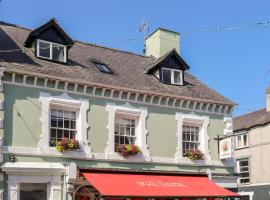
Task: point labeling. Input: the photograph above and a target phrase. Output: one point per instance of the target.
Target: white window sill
(69, 153)
(135, 158)
(239, 148)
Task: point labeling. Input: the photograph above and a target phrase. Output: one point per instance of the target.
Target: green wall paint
(125, 165)
(23, 127)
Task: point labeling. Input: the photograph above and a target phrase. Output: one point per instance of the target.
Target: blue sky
(234, 62)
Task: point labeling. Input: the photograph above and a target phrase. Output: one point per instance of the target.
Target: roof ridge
(249, 113)
(14, 25)
(110, 48)
(82, 42)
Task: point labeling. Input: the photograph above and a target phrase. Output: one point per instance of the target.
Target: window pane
(44, 49)
(177, 77)
(63, 125)
(243, 171)
(125, 128)
(166, 76)
(103, 68)
(58, 53)
(190, 138)
(245, 140)
(239, 141)
(33, 191)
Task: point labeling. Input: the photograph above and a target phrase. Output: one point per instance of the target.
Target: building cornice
(42, 81)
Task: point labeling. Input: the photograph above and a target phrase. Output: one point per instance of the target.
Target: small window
(51, 51)
(172, 76)
(63, 125)
(124, 131)
(103, 68)
(242, 141)
(190, 138)
(243, 170)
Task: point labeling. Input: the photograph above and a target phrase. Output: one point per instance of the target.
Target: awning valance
(148, 185)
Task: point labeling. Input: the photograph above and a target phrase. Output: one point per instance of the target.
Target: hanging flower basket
(67, 144)
(127, 150)
(194, 154)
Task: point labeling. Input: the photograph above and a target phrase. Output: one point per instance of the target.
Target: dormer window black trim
(168, 69)
(51, 51)
(50, 42)
(172, 76)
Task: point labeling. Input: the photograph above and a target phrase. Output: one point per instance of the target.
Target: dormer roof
(50, 31)
(171, 54)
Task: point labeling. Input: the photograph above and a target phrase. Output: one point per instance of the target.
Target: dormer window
(172, 76)
(51, 51)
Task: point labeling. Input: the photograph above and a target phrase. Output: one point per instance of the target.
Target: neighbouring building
(73, 114)
(252, 152)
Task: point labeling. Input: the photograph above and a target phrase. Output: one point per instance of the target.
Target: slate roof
(128, 68)
(251, 120)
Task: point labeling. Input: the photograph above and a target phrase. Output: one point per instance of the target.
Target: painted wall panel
(23, 126)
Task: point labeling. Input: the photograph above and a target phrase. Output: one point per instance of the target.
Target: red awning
(137, 185)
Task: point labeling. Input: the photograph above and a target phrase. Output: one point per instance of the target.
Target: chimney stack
(162, 41)
(268, 100)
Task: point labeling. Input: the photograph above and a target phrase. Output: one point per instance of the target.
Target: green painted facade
(22, 127)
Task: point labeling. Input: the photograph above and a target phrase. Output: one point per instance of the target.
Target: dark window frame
(100, 66)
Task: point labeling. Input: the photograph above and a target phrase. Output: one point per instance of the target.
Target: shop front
(138, 186)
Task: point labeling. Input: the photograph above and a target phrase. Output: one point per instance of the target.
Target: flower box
(194, 154)
(67, 144)
(127, 150)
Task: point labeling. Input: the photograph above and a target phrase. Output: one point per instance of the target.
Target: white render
(228, 126)
(203, 123)
(81, 107)
(33, 172)
(140, 114)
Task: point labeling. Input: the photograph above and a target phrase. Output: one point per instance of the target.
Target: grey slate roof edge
(238, 127)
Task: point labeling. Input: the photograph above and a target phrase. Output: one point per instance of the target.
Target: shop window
(33, 191)
(243, 170)
(63, 125)
(190, 138)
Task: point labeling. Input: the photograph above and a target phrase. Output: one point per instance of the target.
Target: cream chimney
(268, 100)
(162, 41)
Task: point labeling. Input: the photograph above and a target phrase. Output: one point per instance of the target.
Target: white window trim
(203, 122)
(238, 170)
(34, 172)
(242, 138)
(51, 50)
(250, 194)
(141, 114)
(172, 75)
(81, 106)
